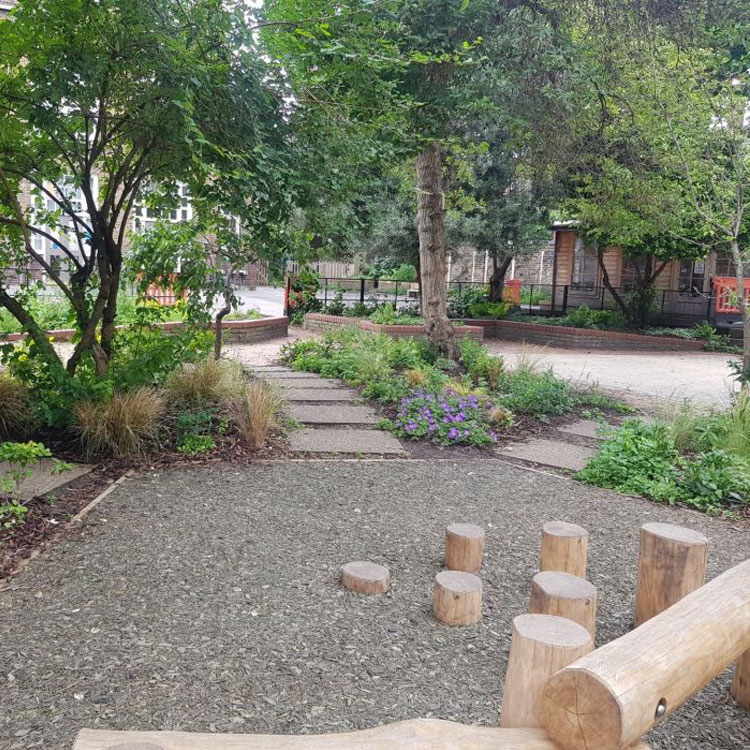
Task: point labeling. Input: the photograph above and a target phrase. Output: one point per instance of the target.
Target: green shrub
(461, 299)
(387, 315)
(337, 306)
(480, 365)
(642, 458)
(585, 317)
(404, 272)
(539, 394)
(495, 310)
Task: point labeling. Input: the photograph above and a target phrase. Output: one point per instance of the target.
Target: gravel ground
(207, 599)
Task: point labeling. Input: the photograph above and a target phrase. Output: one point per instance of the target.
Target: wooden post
(566, 596)
(457, 598)
(541, 645)
(464, 547)
(564, 547)
(671, 564)
(741, 682)
(366, 577)
(609, 699)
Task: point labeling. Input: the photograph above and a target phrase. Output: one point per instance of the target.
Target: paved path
(207, 599)
(642, 378)
(333, 419)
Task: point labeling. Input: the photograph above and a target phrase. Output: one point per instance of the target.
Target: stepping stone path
(333, 420)
(555, 453)
(43, 479)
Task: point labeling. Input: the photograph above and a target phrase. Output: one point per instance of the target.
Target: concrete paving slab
(550, 453)
(303, 383)
(320, 394)
(588, 428)
(345, 441)
(287, 375)
(42, 480)
(331, 414)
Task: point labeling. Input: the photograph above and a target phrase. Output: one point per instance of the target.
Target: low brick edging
(242, 331)
(322, 322)
(586, 338)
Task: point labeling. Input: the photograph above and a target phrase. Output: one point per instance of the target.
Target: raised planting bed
(243, 331)
(583, 338)
(322, 322)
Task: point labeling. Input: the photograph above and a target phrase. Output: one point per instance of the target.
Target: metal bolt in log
(366, 577)
(564, 548)
(541, 645)
(609, 699)
(671, 564)
(464, 547)
(566, 596)
(741, 681)
(457, 598)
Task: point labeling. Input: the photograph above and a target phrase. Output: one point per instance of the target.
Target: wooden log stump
(366, 577)
(671, 564)
(464, 547)
(541, 645)
(741, 681)
(564, 548)
(566, 596)
(609, 699)
(457, 598)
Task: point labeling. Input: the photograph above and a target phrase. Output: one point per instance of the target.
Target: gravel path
(207, 600)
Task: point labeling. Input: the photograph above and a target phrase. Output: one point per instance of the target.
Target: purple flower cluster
(444, 417)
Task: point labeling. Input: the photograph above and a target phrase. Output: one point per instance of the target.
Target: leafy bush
(495, 310)
(387, 315)
(585, 317)
(445, 418)
(643, 459)
(196, 428)
(15, 412)
(481, 365)
(460, 300)
(255, 412)
(337, 306)
(122, 426)
(303, 294)
(208, 380)
(404, 272)
(539, 394)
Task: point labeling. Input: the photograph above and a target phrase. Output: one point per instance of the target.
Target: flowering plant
(444, 417)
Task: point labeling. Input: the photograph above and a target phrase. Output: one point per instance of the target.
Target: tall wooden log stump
(741, 681)
(464, 547)
(365, 577)
(671, 564)
(564, 595)
(564, 548)
(541, 645)
(457, 598)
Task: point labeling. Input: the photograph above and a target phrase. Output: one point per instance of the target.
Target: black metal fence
(669, 306)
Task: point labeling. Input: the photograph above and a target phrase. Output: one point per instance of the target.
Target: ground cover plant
(695, 459)
(473, 400)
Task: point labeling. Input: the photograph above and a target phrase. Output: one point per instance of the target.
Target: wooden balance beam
(614, 695)
(416, 734)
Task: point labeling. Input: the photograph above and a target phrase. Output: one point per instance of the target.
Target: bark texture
(433, 267)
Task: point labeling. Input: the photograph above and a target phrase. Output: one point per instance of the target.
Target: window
(691, 277)
(632, 270)
(585, 266)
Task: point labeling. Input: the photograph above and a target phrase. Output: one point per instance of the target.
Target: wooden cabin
(684, 289)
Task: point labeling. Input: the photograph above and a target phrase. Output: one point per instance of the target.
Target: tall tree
(100, 100)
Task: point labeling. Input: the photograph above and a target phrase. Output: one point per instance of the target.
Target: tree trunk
(431, 230)
(497, 279)
(744, 375)
(608, 284)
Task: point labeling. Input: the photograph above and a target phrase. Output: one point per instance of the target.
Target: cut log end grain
(671, 564)
(564, 548)
(464, 547)
(457, 598)
(365, 577)
(541, 645)
(564, 595)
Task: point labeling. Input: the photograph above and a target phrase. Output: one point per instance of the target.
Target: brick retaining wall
(236, 331)
(321, 322)
(585, 338)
